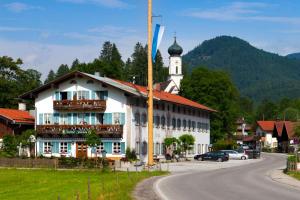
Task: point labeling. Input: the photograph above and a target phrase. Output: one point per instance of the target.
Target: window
(176, 69)
(178, 109)
(178, 124)
(99, 118)
(199, 126)
(117, 148)
(82, 94)
(157, 121)
(63, 119)
(144, 119)
(137, 147)
(63, 147)
(174, 123)
(137, 119)
(189, 124)
(174, 108)
(193, 125)
(168, 121)
(117, 118)
(163, 149)
(199, 149)
(163, 121)
(184, 124)
(47, 147)
(157, 149)
(48, 118)
(100, 148)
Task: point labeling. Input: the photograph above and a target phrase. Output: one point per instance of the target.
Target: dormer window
(90, 82)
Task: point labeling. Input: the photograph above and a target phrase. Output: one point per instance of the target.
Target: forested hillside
(294, 56)
(257, 74)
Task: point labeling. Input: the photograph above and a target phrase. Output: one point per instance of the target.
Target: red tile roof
(18, 116)
(165, 96)
(267, 126)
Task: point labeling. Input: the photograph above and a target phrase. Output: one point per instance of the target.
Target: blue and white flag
(158, 33)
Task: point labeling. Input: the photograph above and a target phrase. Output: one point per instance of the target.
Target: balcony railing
(104, 131)
(84, 104)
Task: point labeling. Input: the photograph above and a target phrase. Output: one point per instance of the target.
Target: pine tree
(75, 65)
(50, 77)
(160, 73)
(62, 70)
(139, 64)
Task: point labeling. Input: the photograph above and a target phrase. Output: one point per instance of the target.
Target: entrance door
(81, 151)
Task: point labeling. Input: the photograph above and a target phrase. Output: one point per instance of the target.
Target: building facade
(72, 105)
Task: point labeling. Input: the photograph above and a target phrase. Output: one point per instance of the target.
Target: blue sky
(51, 32)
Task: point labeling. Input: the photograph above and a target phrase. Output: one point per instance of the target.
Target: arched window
(174, 123)
(163, 121)
(157, 121)
(189, 124)
(178, 124)
(144, 119)
(193, 125)
(184, 124)
(176, 69)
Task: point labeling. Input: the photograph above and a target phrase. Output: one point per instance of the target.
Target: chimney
(22, 106)
(97, 74)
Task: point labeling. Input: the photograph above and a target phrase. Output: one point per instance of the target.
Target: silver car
(235, 155)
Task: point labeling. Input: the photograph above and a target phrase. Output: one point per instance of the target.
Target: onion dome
(175, 49)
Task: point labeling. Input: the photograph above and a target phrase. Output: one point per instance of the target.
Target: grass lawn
(295, 175)
(49, 184)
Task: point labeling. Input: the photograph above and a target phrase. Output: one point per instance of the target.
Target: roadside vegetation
(296, 175)
(67, 184)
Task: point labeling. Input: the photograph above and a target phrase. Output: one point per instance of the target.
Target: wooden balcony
(104, 131)
(84, 104)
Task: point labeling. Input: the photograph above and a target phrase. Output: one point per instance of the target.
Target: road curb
(278, 176)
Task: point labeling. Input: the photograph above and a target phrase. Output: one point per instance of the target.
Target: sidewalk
(280, 177)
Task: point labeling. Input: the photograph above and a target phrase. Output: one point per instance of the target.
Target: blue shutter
(56, 97)
(122, 121)
(69, 147)
(93, 118)
(122, 147)
(87, 118)
(75, 118)
(55, 147)
(56, 118)
(40, 148)
(41, 119)
(69, 95)
(108, 147)
(69, 118)
(93, 95)
(107, 118)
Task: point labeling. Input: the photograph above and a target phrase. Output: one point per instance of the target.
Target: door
(81, 150)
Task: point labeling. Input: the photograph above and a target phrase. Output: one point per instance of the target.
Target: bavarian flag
(158, 34)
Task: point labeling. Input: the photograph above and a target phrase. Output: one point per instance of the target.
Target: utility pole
(150, 87)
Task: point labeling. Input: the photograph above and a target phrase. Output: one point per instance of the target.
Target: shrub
(130, 155)
(10, 145)
(222, 145)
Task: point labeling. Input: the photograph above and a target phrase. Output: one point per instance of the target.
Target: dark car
(215, 155)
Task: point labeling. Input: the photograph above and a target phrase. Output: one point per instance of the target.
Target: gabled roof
(266, 126)
(16, 116)
(122, 85)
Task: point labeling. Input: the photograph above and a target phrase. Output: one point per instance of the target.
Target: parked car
(236, 155)
(215, 155)
(252, 154)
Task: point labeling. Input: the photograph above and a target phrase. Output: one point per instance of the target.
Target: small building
(265, 131)
(14, 122)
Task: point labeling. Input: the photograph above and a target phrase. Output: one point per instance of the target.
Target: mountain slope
(294, 55)
(257, 74)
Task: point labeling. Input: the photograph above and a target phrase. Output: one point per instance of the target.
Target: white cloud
(106, 3)
(241, 11)
(19, 7)
(15, 29)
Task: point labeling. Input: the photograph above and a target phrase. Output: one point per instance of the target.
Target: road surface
(248, 182)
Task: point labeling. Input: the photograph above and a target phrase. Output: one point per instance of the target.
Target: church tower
(175, 64)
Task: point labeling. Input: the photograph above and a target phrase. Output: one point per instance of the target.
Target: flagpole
(150, 87)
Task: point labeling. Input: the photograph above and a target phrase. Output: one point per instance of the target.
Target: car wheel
(220, 160)
(243, 158)
(200, 159)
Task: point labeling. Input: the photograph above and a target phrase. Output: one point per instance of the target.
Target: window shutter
(122, 121)
(55, 147)
(93, 118)
(69, 118)
(69, 95)
(122, 147)
(108, 147)
(107, 118)
(40, 148)
(75, 118)
(93, 95)
(69, 147)
(56, 96)
(41, 122)
(87, 118)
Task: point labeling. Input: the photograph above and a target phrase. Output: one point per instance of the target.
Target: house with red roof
(14, 122)
(277, 134)
(70, 106)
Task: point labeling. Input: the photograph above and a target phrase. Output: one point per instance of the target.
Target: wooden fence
(291, 166)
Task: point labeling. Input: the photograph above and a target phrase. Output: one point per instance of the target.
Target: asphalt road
(248, 182)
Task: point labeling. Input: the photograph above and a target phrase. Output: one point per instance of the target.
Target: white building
(69, 106)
